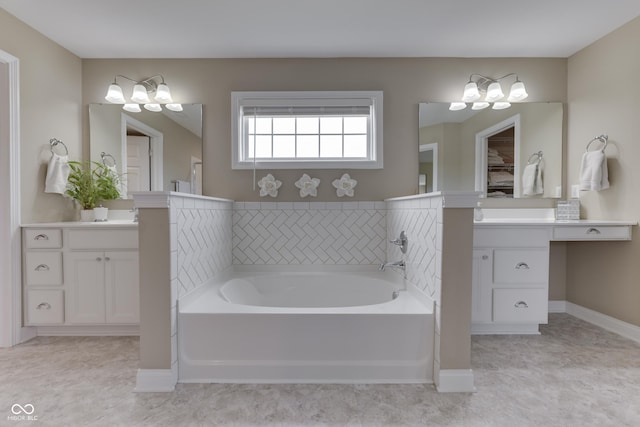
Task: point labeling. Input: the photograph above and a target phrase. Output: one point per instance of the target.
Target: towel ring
(108, 158)
(602, 138)
(54, 142)
(535, 157)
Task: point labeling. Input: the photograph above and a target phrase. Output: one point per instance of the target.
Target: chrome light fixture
(140, 94)
(493, 93)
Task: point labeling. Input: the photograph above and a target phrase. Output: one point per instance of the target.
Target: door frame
(11, 330)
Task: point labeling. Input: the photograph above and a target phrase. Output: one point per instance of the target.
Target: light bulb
(494, 92)
(479, 105)
(140, 94)
(174, 107)
(471, 92)
(455, 106)
(132, 108)
(114, 94)
(153, 107)
(163, 94)
(501, 105)
(518, 92)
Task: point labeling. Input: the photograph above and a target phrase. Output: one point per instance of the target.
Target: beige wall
(405, 83)
(603, 98)
(50, 107)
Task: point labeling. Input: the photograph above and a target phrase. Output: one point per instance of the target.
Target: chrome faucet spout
(397, 264)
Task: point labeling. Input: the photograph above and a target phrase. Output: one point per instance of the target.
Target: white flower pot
(100, 214)
(86, 215)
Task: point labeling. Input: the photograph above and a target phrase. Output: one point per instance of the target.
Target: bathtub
(283, 326)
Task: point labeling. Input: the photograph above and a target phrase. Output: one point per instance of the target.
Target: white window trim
(241, 99)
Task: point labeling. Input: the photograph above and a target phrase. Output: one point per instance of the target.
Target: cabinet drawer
(43, 268)
(45, 307)
(586, 232)
(43, 238)
(103, 239)
(520, 305)
(511, 237)
(516, 266)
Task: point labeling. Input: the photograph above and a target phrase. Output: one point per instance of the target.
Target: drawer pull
(42, 267)
(522, 266)
(43, 306)
(593, 231)
(521, 304)
(41, 237)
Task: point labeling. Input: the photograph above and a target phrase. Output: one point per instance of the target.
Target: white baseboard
(557, 306)
(156, 380)
(455, 381)
(609, 323)
(87, 330)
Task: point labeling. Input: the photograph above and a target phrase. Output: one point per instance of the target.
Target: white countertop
(546, 221)
(539, 217)
(68, 224)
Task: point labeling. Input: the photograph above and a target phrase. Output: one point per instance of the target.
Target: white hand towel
(57, 174)
(532, 180)
(593, 171)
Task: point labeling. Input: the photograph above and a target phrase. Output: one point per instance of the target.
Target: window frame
(241, 101)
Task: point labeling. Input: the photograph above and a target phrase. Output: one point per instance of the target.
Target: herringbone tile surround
(349, 233)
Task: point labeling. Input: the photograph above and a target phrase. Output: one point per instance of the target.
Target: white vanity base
(505, 329)
(88, 331)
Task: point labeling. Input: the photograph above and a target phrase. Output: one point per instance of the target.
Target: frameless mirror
(152, 151)
(510, 153)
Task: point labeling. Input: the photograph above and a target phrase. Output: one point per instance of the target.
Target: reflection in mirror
(492, 151)
(428, 168)
(151, 151)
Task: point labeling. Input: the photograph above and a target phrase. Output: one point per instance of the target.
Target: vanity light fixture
(154, 85)
(493, 93)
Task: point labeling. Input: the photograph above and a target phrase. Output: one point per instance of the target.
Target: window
(314, 130)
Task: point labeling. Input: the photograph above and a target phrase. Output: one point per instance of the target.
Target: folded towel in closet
(532, 180)
(593, 171)
(57, 174)
(500, 178)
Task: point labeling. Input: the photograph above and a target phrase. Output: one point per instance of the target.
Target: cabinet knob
(521, 304)
(41, 237)
(522, 266)
(107, 258)
(43, 306)
(42, 267)
(593, 231)
(485, 257)
(98, 259)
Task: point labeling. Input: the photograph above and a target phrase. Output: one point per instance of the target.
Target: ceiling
(323, 28)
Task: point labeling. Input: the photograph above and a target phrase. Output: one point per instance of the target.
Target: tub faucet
(397, 264)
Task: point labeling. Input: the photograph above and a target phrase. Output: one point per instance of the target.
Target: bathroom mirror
(487, 150)
(152, 151)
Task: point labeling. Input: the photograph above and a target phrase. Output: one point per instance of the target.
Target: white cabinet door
(121, 287)
(84, 276)
(481, 285)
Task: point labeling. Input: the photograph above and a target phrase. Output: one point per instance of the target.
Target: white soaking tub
(306, 327)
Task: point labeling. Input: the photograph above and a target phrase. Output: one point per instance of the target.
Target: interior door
(138, 176)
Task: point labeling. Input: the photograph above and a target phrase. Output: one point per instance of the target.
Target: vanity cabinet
(511, 279)
(81, 276)
(103, 287)
(510, 283)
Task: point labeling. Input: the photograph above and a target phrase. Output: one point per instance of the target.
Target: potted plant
(90, 183)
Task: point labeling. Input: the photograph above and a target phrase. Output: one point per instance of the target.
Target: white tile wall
(309, 233)
(419, 220)
(203, 241)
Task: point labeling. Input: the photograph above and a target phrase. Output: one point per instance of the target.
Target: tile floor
(574, 374)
